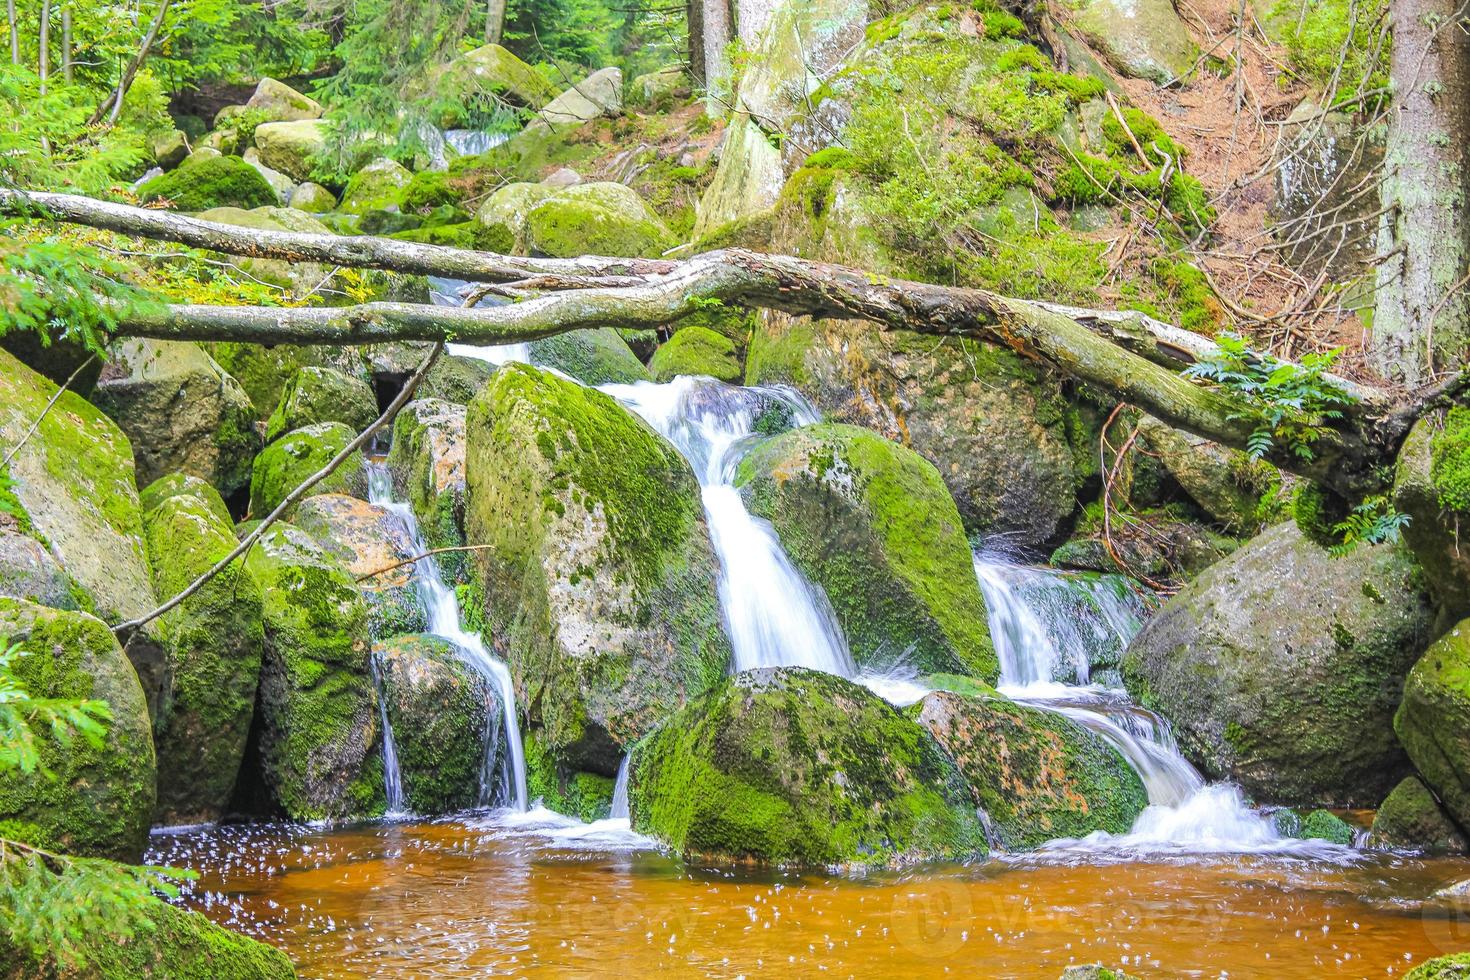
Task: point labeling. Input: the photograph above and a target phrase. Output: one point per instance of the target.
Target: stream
(1202, 885)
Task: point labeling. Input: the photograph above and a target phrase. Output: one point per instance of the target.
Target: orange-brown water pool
(508, 896)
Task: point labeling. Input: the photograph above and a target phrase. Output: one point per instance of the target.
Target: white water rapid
(1049, 629)
(392, 775)
(775, 618)
(442, 609)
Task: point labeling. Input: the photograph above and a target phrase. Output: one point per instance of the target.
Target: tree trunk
(115, 100)
(43, 62)
(1420, 323)
(11, 22)
(1132, 357)
(494, 21)
(67, 71)
(710, 32)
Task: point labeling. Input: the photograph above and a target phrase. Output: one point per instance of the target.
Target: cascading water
(774, 616)
(620, 793)
(1050, 628)
(442, 609)
(392, 776)
(448, 292)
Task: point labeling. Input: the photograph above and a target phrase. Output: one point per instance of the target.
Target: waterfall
(773, 615)
(1048, 625)
(442, 609)
(620, 793)
(392, 776)
(448, 292)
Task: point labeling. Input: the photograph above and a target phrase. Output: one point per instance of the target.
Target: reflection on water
(536, 894)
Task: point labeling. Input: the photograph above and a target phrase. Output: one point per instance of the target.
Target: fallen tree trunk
(1135, 358)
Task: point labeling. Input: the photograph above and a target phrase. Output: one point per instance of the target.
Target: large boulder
(283, 465)
(28, 571)
(796, 767)
(872, 524)
(312, 198)
(593, 357)
(321, 394)
(213, 643)
(366, 539)
(1037, 775)
(280, 183)
(598, 579)
(1432, 485)
(1225, 483)
(505, 213)
(444, 716)
(317, 712)
(599, 94)
(1008, 442)
(83, 798)
(427, 464)
(1433, 722)
(293, 148)
(601, 218)
(1280, 667)
(264, 371)
(699, 351)
(1140, 38)
(1410, 817)
(279, 102)
(181, 412)
(376, 187)
(169, 943)
(72, 488)
(210, 182)
(488, 75)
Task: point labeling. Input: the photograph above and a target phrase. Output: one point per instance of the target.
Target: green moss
(223, 181)
(427, 190)
(316, 394)
(567, 228)
(172, 944)
(1317, 511)
(593, 357)
(96, 800)
(697, 350)
(584, 795)
(1325, 825)
(1450, 461)
(794, 767)
(872, 523)
(1453, 967)
(466, 234)
(212, 643)
(285, 463)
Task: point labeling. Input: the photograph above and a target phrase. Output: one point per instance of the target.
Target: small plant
(1374, 521)
(1290, 406)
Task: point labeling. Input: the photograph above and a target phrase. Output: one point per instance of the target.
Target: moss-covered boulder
(659, 89)
(443, 714)
(1280, 667)
(321, 394)
(872, 524)
(561, 788)
(1006, 438)
(284, 464)
(72, 488)
(28, 571)
(182, 413)
(797, 767)
(599, 94)
(213, 643)
(280, 102)
(1433, 722)
(312, 198)
(1432, 485)
(293, 148)
(599, 581)
(505, 212)
(1411, 818)
(367, 538)
(485, 76)
(318, 739)
(1037, 775)
(593, 357)
(456, 379)
(376, 187)
(697, 350)
(96, 800)
(264, 371)
(1140, 38)
(597, 219)
(211, 182)
(1456, 966)
(427, 463)
(171, 944)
